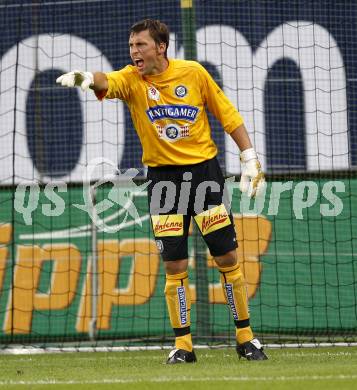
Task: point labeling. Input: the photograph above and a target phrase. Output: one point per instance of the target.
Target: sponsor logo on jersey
(153, 93)
(181, 293)
(213, 219)
(173, 132)
(167, 225)
(230, 299)
(181, 91)
(178, 112)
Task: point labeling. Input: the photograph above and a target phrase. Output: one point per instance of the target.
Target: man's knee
(176, 266)
(227, 260)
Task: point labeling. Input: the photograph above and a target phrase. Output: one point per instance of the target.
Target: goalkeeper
(167, 99)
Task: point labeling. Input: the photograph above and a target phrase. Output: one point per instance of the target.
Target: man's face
(146, 55)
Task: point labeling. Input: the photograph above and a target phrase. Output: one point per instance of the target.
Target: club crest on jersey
(181, 91)
(173, 132)
(153, 93)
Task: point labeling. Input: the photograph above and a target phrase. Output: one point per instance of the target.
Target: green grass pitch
(287, 368)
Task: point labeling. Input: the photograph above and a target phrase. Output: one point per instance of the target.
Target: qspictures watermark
(119, 198)
(302, 196)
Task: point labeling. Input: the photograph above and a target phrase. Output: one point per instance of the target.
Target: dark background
(106, 24)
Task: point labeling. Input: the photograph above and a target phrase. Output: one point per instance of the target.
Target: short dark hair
(159, 31)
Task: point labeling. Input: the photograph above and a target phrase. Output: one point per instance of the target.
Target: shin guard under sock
(179, 305)
(233, 284)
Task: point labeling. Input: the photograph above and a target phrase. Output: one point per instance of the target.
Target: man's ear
(161, 48)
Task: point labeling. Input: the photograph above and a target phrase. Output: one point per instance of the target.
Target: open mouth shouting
(139, 63)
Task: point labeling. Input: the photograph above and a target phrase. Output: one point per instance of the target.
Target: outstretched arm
(96, 81)
(100, 82)
(110, 85)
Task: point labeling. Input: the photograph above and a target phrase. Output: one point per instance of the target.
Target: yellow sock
(234, 288)
(244, 334)
(184, 342)
(178, 302)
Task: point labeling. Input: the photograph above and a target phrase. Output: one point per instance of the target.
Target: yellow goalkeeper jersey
(169, 111)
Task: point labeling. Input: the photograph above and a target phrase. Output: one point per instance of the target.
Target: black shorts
(178, 193)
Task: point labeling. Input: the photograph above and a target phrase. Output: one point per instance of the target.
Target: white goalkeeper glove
(252, 179)
(76, 78)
